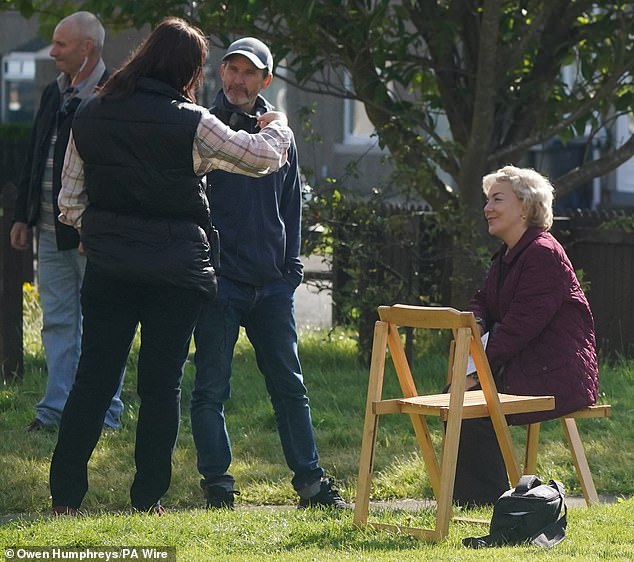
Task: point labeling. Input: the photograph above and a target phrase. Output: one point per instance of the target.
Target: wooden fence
(16, 268)
(606, 258)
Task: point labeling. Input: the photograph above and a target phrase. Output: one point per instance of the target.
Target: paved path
(313, 308)
(405, 504)
(413, 505)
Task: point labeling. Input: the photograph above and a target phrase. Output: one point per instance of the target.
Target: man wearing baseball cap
(259, 224)
(254, 50)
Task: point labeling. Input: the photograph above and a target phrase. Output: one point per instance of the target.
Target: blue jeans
(60, 276)
(267, 313)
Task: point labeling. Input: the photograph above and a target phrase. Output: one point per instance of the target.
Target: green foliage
(306, 116)
(381, 253)
(586, 285)
(11, 131)
(623, 223)
(453, 89)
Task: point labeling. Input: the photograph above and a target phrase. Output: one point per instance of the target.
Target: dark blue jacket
(258, 219)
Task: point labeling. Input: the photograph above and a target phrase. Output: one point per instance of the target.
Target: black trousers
(112, 310)
(480, 473)
(480, 470)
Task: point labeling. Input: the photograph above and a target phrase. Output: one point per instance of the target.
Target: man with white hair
(77, 46)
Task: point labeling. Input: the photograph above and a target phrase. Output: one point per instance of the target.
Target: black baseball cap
(256, 51)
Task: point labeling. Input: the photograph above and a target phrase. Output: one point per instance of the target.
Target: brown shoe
(156, 509)
(159, 510)
(59, 510)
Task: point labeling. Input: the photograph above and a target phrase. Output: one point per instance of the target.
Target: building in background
(18, 81)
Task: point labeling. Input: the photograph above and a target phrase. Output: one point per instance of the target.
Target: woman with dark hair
(131, 186)
(183, 71)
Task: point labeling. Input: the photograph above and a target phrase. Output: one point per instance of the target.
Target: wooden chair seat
(596, 411)
(474, 406)
(452, 407)
(575, 446)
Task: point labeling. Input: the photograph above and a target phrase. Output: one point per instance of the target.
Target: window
(18, 73)
(19, 102)
(357, 128)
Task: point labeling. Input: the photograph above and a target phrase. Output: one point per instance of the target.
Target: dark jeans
(112, 309)
(267, 313)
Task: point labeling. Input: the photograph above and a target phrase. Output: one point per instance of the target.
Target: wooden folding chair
(574, 445)
(451, 407)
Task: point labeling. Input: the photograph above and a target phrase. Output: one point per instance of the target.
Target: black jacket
(27, 205)
(148, 216)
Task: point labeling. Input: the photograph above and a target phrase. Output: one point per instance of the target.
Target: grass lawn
(265, 523)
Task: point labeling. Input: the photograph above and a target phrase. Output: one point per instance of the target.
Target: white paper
(471, 368)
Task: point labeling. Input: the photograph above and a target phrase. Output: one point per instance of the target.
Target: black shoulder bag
(530, 513)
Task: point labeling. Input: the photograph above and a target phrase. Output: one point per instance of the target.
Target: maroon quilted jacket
(543, 341)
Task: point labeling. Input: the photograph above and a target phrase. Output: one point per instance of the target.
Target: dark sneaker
(36, 425)
(219, 497)
(328, 496)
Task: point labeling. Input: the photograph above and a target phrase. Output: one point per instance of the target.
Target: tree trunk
(470, 262)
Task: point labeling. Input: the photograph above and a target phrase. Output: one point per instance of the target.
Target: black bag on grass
(530, 513)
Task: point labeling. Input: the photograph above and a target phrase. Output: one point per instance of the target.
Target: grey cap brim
(251, 56)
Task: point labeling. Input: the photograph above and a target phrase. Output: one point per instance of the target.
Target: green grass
(601, 533)
(265, 523)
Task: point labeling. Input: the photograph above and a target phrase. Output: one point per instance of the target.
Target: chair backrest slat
(431, 317)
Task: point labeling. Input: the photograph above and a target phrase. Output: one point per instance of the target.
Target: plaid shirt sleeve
(72, 199)
(218, 147)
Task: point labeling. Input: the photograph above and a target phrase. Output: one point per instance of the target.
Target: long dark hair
(174, 53)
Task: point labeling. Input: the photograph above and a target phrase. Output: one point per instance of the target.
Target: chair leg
(447, 477)
(419, 423)
(371, 424)
(364, 481)
(532, 444)
(581, 462)
(451, 441)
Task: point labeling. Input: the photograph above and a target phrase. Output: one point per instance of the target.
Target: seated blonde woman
(541, 329)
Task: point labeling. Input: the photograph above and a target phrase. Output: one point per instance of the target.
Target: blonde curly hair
(533, 189)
